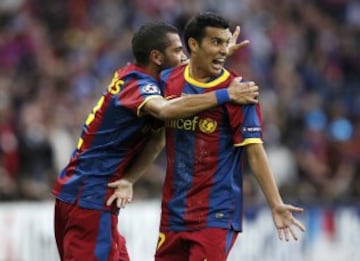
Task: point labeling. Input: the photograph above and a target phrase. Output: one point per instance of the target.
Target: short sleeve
(136, 93)
(246, 123)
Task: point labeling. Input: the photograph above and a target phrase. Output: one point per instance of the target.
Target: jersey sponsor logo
(251, 129)
(151, 89)
(183, 124)
(206, 125)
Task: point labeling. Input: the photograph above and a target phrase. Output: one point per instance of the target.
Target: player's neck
(197, 73)
(152, 70)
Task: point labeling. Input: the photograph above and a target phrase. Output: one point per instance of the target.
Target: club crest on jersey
(151, 89)
(207, 125)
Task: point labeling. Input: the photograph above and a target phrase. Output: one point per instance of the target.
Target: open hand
(243, 92)
(123, 193)
(285, 221)
(233, 46)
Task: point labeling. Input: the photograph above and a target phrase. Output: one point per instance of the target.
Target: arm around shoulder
(180, 107)
(188, 105)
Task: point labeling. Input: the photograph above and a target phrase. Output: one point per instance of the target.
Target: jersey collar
(224, 75)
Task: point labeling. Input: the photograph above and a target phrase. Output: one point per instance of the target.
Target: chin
(215, 72)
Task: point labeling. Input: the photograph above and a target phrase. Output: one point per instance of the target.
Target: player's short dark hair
(150, 36)
(195, 28)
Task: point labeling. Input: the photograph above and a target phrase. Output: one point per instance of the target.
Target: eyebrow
(220, 39)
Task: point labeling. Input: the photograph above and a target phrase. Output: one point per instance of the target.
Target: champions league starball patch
(151, 89)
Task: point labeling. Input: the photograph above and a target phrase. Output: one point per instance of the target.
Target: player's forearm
(146, 157)
(186, 106)
(260, 167)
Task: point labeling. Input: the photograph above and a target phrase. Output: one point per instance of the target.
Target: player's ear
(193, 44)
(157, 57)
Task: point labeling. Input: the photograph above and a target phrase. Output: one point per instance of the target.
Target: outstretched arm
(123, 188)
(282, 213)
(185, 106)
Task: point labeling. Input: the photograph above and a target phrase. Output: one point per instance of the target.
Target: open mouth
(218, 63)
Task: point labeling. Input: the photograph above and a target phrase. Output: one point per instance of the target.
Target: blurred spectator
(36, 154)
(9, 155)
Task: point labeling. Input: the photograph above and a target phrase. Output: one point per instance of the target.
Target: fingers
(284, 233)
(253, 100)
(293, 208)
(298, 224)
(280, 233)
(246, 86)
(250, 85)
(124, 202)
(233, 46)
(113, 184)
(253, 92)
(238, 79)
(110, 200)
(243, 44)
(121, 201)
(287, 233)
(234, 38)
(285, 222)
(243, 92)
(293, 234)
(236, 33)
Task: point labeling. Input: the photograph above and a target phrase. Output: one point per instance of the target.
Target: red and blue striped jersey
(205, 152)
(113, 133)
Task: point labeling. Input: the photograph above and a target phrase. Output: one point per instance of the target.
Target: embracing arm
(185, 106)
(123, 188)
(282, 213)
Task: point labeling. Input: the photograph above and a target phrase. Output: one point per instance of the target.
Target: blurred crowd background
(57, 57)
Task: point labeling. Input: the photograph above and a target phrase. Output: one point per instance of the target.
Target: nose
(183, 58)
(224, 49)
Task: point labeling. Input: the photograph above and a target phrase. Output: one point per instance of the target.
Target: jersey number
(91, 117)
(114, 88)
(115, 85)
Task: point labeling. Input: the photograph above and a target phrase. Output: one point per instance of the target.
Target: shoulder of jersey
(178, 69)
(232, 72)
(132, 70)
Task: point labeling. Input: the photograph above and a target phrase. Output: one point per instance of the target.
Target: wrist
(130, 181)
(222, 96)
(275, 205)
